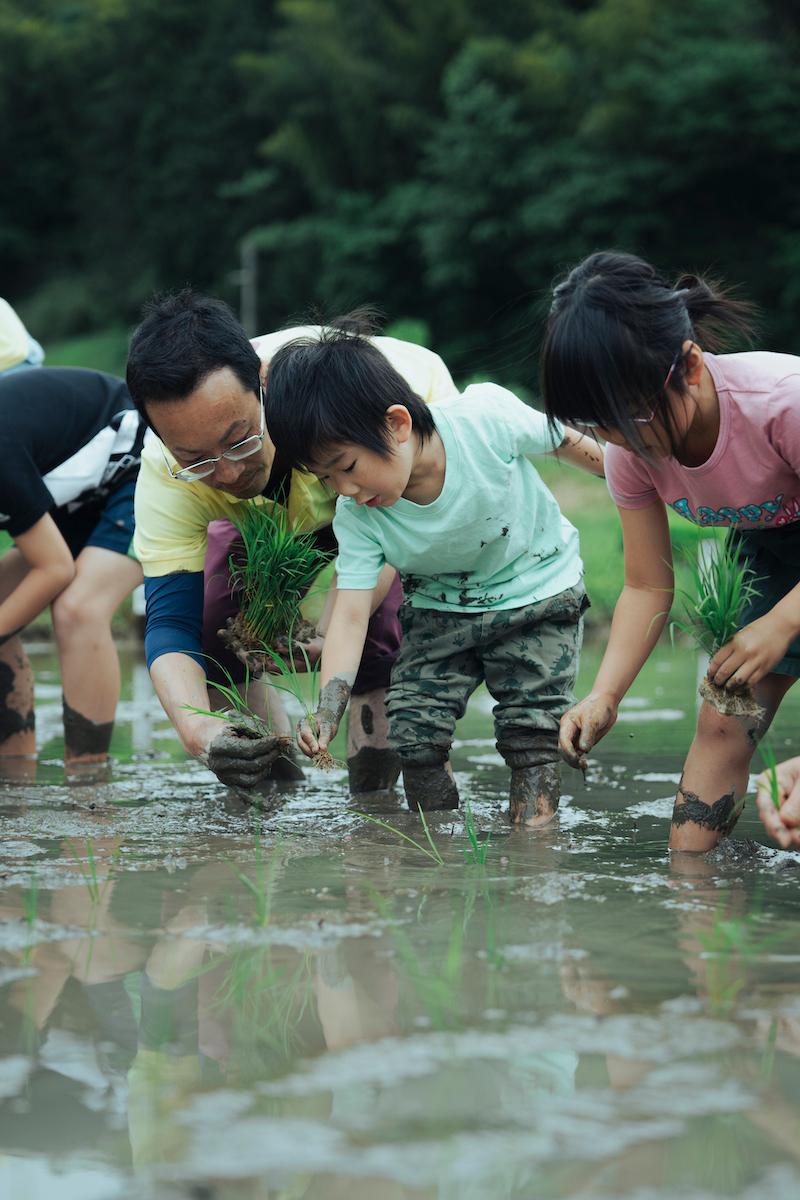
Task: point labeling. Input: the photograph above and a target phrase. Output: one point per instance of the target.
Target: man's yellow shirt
(172, 518)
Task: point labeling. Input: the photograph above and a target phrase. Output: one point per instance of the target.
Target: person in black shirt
(70, 447)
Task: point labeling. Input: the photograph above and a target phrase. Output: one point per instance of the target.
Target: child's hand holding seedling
(778, 802)
(752, 652)
(317, 730)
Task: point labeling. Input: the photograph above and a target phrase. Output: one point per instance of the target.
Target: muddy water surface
(202, 999)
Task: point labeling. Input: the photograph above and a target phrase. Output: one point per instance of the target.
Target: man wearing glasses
(199, 384)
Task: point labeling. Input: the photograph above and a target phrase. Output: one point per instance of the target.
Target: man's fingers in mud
(236, 746)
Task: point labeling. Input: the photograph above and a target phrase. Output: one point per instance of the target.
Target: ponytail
(718, 319)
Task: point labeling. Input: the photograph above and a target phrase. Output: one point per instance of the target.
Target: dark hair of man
(615, 331)
(184, 338)
(333, 388)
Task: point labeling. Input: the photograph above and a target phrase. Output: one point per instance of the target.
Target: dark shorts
(108, 526)
(774, 556)
(383, 632)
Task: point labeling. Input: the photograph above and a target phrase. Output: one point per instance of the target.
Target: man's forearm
(180, 685)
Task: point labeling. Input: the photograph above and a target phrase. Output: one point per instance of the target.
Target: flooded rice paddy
(201, 999)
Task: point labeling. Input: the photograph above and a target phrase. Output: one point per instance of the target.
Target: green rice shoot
(272, 571)
(720, 589)
(240, 714)
(478, 850)
(771, 767)
(430, 851)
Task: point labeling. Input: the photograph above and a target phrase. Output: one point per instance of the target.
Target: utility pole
(246, 279)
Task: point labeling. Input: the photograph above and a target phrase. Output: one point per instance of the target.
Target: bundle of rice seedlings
(721, 587)
(271, 571)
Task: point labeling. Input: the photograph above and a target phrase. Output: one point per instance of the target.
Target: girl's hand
(317, 732)
(751, 653)
(782, 824)
(583, 725)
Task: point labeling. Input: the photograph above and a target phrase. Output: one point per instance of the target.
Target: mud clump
(741, 703)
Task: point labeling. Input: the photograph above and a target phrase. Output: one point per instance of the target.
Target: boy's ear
(398, 418)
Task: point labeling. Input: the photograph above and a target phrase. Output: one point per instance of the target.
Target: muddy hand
(782, 823)
(751, 653)
(583, 725)
(255, 660)
(240, 759)
(315, 733)
(304, 654)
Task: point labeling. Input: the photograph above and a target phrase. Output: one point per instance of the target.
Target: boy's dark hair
(336, 387)
(615, 332)
(183, 338)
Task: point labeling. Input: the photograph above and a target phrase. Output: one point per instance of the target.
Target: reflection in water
(197, 999)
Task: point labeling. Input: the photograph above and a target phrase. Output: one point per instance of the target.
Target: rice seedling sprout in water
(262, 887)
(430, 851)
(478, 850)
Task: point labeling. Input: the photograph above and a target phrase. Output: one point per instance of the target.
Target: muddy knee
(534, 794)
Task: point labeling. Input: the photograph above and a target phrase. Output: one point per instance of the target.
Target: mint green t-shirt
(493, 538)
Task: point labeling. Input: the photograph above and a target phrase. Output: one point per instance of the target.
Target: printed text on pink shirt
(769, 512)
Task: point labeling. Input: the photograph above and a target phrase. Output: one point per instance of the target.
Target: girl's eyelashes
(347, 470)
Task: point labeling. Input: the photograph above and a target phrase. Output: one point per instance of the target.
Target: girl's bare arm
(639, 617)
(581, 451)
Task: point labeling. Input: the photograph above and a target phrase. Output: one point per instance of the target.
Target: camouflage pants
(527, 657)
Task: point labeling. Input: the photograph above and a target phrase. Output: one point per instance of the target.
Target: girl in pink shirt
(716, 437)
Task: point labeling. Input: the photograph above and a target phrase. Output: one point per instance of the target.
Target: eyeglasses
(639, 420)
(235, 453)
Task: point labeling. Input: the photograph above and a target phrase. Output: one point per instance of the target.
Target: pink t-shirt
(752, 479)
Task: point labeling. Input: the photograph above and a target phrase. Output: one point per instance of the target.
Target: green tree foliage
(442, 158)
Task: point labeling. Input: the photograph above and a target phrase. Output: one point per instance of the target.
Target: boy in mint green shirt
(491, 569)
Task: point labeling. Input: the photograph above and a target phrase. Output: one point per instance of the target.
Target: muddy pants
(527, 657)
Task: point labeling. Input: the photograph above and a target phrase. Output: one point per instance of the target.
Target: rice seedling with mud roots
(271, 571)
(720, 588)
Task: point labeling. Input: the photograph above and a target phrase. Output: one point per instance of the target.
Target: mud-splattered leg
(713, 786)
(85, 740)
(89, 663)
(534, 795)
(17, 728)
(372, 765)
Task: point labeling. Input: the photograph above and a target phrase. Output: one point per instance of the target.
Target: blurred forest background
(443, 159)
